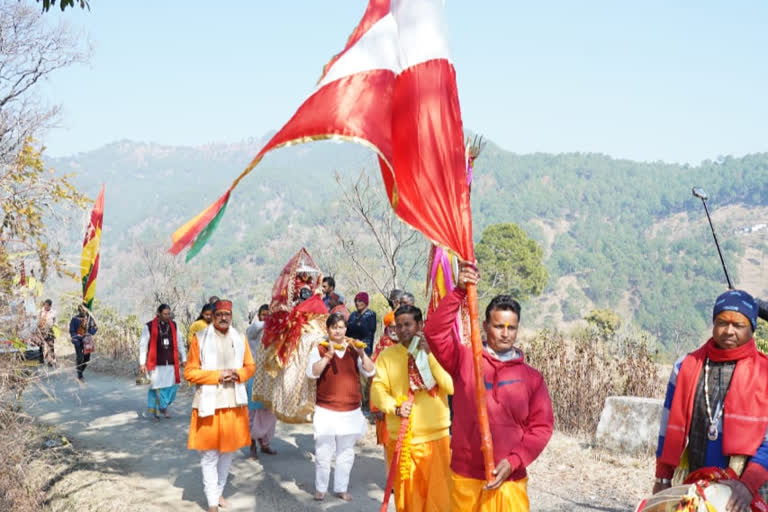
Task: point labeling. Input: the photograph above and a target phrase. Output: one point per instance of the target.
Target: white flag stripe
(376, 49)
(415, 31)
(422, 31)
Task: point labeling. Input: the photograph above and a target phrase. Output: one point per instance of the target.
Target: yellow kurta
(227, 429)
(427, 489)
(432, 417)
(468, 495)
(197, 326)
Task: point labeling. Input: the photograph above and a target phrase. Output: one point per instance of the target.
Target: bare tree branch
(384, 249)
(30, 50)
(169, 282)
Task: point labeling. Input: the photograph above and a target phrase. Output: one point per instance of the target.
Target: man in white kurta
(161, 351)
(220, 363)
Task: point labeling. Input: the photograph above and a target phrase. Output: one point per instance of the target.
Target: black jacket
(763, 309)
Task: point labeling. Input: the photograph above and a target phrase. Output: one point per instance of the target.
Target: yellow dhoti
(428, 488)
(469, 495)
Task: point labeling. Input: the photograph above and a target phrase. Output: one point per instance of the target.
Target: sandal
(344, 496)
(266, 449)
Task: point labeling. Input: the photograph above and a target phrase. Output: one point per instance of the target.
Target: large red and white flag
(393, 89)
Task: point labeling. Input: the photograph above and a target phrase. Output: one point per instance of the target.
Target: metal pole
(727, 278)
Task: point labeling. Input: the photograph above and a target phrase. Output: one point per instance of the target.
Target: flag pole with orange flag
(486, 443)
(441, 279)
(392, 89)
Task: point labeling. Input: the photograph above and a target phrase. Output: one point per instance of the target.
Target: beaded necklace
(712, 432)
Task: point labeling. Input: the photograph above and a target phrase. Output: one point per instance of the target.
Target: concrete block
(629, 424)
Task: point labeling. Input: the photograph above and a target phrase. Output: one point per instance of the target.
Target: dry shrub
(16, 437)
(582, 371)
(118, 335)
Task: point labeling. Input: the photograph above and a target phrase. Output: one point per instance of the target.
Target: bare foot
(319, 496)
(213, 509)
(344, 496)
(223, 503)
(166, 415)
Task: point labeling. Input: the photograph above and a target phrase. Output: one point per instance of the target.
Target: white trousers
(215, 466)
(263, 424)
(344, 446)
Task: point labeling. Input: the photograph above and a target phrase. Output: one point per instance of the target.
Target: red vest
(152, 353)
(338, 387)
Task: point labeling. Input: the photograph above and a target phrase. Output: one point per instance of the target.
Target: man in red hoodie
(519, 408)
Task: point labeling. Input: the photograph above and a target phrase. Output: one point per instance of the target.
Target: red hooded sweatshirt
(519, 408)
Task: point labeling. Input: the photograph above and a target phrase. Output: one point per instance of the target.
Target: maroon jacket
(519, 408)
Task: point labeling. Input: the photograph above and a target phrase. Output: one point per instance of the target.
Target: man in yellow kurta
(219, 363)
(410, 383)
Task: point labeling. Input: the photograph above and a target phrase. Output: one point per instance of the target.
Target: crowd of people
(409, 374)
(417, 383)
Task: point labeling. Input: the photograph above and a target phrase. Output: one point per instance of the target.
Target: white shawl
(208, 356)
(422, 363)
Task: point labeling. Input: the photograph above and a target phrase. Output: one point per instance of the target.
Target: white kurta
(163, 376)
(337, 423)
(253, 333)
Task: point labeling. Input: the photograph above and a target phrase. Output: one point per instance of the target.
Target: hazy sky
(648, 80)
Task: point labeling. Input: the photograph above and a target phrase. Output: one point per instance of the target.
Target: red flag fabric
(392, 89)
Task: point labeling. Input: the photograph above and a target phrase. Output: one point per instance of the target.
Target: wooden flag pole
(394, 464)
(486, 443)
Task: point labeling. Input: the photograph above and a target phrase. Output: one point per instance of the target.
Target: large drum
(702, 496)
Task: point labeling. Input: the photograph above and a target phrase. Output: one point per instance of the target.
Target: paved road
(106, 416)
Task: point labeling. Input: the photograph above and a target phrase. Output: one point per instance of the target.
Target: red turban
(225, 305)
(362, 297)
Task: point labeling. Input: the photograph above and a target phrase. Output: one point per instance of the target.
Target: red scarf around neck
(154, 330)
(745, 415)
(415, 380)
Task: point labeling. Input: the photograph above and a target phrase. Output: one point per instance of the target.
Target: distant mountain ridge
(592, 213)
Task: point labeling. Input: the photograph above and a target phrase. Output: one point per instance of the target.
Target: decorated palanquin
(702, 491)
(293, 327)
(283, 327)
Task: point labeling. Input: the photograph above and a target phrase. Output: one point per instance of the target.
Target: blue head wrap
(738, 301)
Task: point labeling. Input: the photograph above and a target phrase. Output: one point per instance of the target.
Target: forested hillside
(603, 223)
